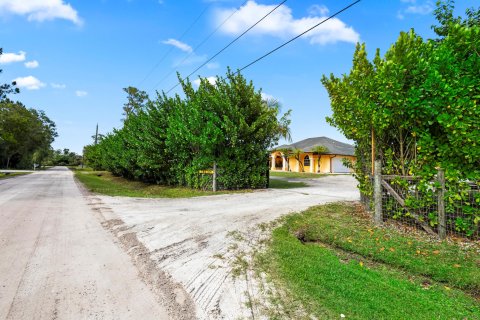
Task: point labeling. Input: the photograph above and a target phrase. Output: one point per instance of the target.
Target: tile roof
(333, 146)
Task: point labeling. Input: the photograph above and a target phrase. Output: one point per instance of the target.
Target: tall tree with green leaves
(418, 103)
(7, 88)
(319, 150)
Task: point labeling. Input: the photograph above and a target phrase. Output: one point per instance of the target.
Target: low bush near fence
(434, 206)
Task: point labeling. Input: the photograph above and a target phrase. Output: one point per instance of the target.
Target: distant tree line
(171, 140)
(25, 134)
(64, 157)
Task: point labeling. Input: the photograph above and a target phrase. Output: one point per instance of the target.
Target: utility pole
(96, 135)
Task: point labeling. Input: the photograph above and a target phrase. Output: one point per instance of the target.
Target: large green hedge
(170, 140)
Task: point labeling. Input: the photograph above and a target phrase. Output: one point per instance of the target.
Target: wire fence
(430, 206)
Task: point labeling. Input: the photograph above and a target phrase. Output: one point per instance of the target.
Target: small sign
(206, 171)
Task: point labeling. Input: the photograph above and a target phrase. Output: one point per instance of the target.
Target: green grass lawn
(284, 184)
(296, 175)
(12, 174)
(105, 183)
(342, 264)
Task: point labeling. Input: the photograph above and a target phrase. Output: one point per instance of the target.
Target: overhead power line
(201, 43)
(171, 48)
(298, 36)
(228, 45)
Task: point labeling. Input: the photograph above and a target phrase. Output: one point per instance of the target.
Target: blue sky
(72, 58)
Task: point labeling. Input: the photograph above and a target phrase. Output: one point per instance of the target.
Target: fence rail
(437, 209)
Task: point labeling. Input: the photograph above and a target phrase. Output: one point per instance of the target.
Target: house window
(306, 161)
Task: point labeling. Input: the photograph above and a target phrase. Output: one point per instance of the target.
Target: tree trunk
(402, 153)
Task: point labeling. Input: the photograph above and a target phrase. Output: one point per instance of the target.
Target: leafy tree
(65, 157)
(6, 88)
(23, 132)
(287, 153)
(417, 104)
(169, 140)
(319, 150)
(296, 154)
(136, 101)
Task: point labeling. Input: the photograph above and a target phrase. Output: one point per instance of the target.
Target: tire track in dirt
(170, 294)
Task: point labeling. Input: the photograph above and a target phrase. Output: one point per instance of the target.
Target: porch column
(312, 164)
(273, 162)
(284, 163)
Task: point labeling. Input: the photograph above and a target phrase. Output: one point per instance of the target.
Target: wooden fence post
(442, 226)
(214, 187)
(377, 192)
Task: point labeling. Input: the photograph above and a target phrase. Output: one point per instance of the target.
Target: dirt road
(188, 238)
(56, 260)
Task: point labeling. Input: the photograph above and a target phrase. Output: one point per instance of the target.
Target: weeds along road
(56, 260)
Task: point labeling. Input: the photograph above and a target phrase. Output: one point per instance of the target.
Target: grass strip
(296, 175)
(339, 267)
(343, 226)
(284, 184)
(103, 182)
(12, 174)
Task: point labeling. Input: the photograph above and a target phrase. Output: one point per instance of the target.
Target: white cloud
(213, 65)
(318, 10)
(414, 7)
(81, 93)
(282, 24)
(266, 96)
(178, 44)
(40, 10)
(425, 8)
(189, 60)
(31, 64)
(212, 80)
(12, 57)
(29, 83)
(58, 85)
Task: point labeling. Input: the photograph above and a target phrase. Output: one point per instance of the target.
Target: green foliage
(296, 175)
(7, 88)
(103, 182)
(64, 157)
(170, 140)
(25, 135)
(420, 102)
(286, 184)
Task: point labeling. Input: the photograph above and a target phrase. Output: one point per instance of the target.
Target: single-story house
(316, 155)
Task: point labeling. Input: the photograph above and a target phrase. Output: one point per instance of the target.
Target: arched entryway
(278, 162)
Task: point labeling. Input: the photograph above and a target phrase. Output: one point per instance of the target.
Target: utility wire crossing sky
(72, 58)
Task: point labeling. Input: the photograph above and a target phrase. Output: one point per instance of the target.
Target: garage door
(338, 166)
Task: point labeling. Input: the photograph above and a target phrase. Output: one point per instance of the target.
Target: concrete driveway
(184, 238)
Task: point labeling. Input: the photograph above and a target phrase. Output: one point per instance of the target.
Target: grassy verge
(105, 183)
(284, 184)
(296, 175)
(12, 174)
(332, 261)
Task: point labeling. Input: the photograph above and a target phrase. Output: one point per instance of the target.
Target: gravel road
(58, 262)
(67, 254)
(187, 239)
